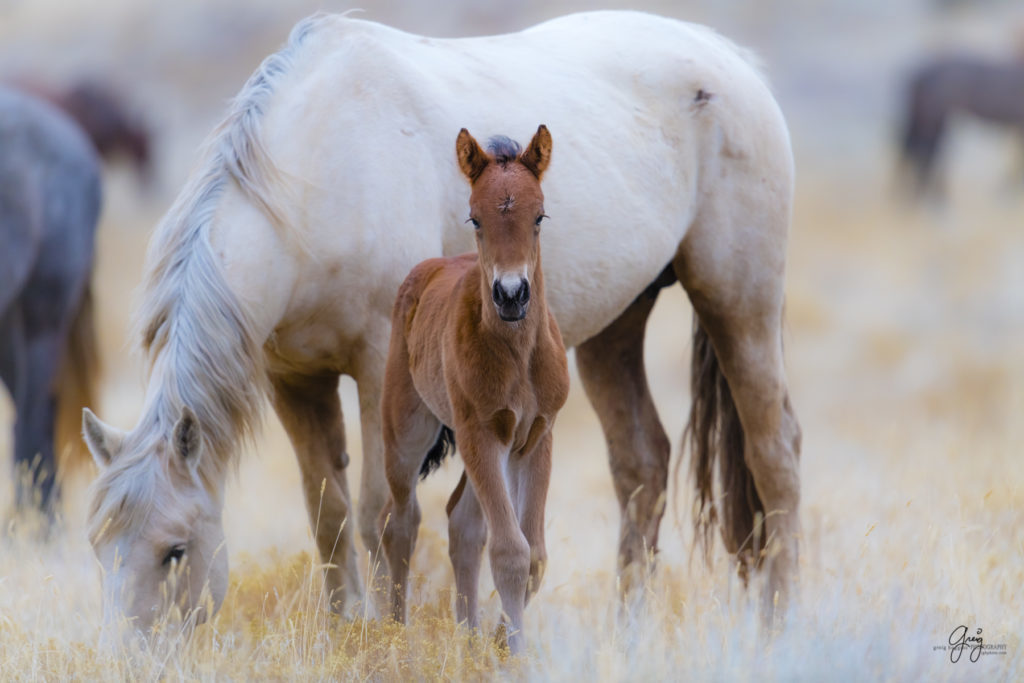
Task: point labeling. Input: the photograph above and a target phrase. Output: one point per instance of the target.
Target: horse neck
(214, 374)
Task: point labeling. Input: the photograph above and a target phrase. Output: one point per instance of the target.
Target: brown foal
(474, 347)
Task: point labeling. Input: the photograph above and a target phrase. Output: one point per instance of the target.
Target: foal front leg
(529, 476)
(483, 455)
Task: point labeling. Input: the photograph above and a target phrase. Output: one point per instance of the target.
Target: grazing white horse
(332, 175)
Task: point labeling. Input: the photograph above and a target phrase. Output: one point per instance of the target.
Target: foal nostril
(523, 295)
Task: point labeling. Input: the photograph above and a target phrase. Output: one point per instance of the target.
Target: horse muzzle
(511, 298)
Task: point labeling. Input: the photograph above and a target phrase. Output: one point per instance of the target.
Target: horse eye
(540, 218)
(475, 222)
(174, 555)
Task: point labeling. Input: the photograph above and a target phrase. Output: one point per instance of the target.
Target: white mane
(195, 334)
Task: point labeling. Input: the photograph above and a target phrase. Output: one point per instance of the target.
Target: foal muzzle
(511, 298)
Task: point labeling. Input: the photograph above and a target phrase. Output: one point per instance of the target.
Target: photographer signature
(959, 640)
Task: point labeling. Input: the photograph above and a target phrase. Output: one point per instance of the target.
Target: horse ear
(188, 441)
(103, 441)
(538, 152)
(472, 159)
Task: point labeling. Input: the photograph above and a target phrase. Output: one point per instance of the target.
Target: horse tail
(76, 382)
(442, 448)
(714, 433)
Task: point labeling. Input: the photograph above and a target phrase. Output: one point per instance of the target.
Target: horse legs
(373, 486)
(467, 535)
(739, 307)
(611, 366)
(529, 476)
(924, 128)
(310, 410)
(409, 430)
(509, 549)
(30, 363)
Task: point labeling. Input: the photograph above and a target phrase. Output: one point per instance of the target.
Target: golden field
(903, 344)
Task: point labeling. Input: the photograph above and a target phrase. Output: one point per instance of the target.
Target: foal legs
(510, 550)
(310, 411)
(611, 366)
(467, 534)
(528, 476)
(410, 429)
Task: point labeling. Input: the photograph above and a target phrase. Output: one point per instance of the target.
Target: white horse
(334, 173)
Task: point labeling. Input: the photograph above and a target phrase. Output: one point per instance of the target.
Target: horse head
(155, 523)
(506, 209)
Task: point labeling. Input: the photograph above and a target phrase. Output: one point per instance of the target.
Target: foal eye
(174, 555)
(540, 218)
(475, 222)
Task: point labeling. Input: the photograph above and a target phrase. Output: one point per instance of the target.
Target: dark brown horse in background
(989, 90)
(116, 131)
(49, 207)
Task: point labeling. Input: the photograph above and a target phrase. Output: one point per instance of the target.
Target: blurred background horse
(49, 207)
(990, 90)
(104, 114)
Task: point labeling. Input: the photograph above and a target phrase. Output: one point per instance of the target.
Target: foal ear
(188, 441)
(472, 159)
(103, 440)
(538, 152)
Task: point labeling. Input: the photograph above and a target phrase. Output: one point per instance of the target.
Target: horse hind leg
(310, 410)
(739, 306)
(30, 363)
(467, 535)
(611, 366)
(409, 431)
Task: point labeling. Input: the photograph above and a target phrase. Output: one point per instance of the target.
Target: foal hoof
(506, 641)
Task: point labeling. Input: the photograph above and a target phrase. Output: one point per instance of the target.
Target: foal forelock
(503, 149)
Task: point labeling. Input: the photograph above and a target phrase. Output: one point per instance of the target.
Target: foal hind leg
(738, 301)
(611, 366)
(409, 430)
(310, 411)
(467, 535)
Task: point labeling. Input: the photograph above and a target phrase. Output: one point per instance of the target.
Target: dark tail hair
(76, 380)
(442, 448)
(714, 432)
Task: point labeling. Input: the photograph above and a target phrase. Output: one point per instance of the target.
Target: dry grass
(906, 372)
(903, 346)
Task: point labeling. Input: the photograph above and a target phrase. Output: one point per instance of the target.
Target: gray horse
(49, 206)
(989, 90)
